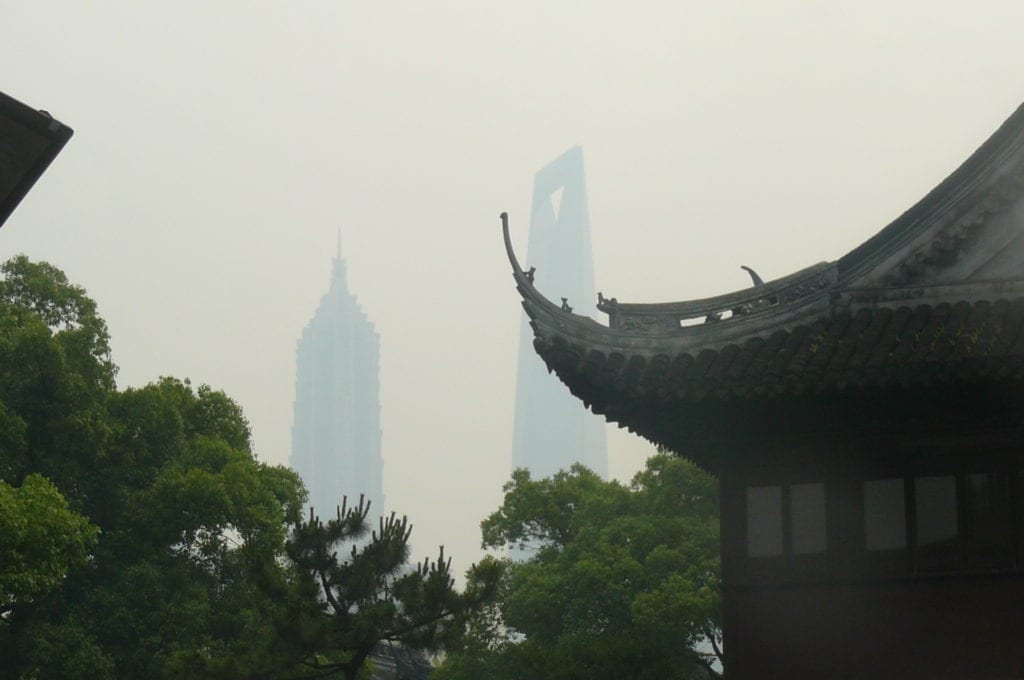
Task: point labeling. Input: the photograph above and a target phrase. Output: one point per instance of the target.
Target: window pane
(764, 521)
(884, 515)
(935, 502)
(988, 510)
(807, 518)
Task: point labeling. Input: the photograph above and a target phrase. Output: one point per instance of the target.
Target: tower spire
(338, 273)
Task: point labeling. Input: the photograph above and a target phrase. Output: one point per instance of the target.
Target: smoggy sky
(220, 146)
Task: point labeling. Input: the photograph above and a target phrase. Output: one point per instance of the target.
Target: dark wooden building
(864, 418)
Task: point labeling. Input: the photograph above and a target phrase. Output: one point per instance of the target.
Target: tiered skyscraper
(553, 430)
(336, 427)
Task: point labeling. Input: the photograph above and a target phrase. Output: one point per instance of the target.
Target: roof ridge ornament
(534, 301)
(758, 281)
(606, 305)
(524, 279)
(683, 318)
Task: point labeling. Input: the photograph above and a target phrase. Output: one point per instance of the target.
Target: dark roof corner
(992, 174)
(29, 141)
(542, 312)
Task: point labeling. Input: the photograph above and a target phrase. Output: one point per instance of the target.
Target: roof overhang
(929, 310)
(29, 141)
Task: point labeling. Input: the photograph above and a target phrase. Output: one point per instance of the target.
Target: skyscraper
(553, 430)
(336, 427)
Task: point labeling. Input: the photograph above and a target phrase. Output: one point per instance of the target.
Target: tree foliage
(190, 523)
(40, 541)
(621, 581)
(55, 374)
(141, 538)
(355, 590)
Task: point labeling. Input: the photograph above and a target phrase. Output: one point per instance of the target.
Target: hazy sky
(220, 146)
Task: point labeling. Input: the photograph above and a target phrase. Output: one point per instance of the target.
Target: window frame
(963, 555)
(843, 480)
(787, 565)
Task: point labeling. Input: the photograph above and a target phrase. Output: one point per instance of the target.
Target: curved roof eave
(780, 304)
(956, 194)
(648, 327)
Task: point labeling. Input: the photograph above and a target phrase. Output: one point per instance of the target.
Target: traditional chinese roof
(29, 141)
(935, 298)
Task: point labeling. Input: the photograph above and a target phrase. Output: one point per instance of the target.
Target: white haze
(220, 146)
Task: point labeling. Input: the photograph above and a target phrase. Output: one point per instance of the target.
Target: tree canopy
(190, 522)
(40, 541)
(355, 590)
(152, 523)
(140, 536)
(620, 581)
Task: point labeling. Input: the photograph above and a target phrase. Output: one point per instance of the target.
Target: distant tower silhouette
(552, 428)
(336, 427)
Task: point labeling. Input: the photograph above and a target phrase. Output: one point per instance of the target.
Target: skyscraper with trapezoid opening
(336, 438)
(553, 429)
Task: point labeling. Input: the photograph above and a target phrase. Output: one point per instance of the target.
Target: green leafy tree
(41, 540)
(55, 375)
(353, 589)
(192, 526)
(622, 581)
(160, 547)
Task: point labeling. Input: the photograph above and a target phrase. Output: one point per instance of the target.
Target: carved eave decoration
(936, 297)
